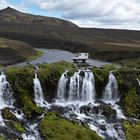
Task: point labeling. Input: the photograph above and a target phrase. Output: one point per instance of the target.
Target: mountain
(122, 46)
(10, 15)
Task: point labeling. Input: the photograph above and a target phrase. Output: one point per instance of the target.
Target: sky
(118, 14)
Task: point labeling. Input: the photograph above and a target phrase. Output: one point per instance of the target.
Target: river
(52, 55)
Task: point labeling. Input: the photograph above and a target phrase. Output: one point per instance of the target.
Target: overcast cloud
(94, 13)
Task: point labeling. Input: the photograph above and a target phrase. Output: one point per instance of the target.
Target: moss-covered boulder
(101, 78)
(6, 114)
(129, 91)
(49, 75)
(2, 138)
(16, 126)
(21, 80)
(132, 130)
(53, 127)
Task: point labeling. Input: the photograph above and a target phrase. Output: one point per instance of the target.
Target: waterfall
(77, 88)
(33, 133)
(62, 86)
(38, 93)
(138, 82)
(6, 99)
(88, 88)
(111, 93)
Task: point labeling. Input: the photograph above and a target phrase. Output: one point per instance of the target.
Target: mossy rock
(3, 138)
(131, 103)
(28, 106)
(132, 130)
(101, 78)
(17, 126)
(53, 127)
(6, 114)
(71, 72)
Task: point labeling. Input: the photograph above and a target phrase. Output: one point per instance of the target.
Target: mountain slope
(105, 44)
(10, 15)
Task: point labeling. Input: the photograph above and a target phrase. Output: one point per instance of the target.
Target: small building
(80, 57)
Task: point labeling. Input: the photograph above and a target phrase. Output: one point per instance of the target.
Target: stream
(52, 55)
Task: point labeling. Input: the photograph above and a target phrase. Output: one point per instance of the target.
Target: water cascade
(78, 92)
(33, 133)
(77, 88)
(138, 82)
(111, 93)
(38, 93)
(6, 99)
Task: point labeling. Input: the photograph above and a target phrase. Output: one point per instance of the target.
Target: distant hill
(106, 44)
(10, 15)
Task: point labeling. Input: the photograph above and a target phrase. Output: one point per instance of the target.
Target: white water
(6, 99)
(32, 134)
(62, 86)
(81, 88)
(38, 93)
(111, 93)
(81, 92)
(138, 82)
(5, 93)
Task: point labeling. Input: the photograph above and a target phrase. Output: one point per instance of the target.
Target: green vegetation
(53, 127)
(16, 125)
(132, 130)
(2, 138)
(101, 77)
(6, 114)
(12, 51)
(21, 80)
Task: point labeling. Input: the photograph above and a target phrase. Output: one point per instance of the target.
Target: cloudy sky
(123, 14)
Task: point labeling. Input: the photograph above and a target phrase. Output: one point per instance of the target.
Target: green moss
(131, 103)
(27, 105)
(6, 114)
(53, 127)
(21, 80)
(16, 125)
(101, 79)
(35, 56)
(71, 72)
(2, 138)
(132, 130)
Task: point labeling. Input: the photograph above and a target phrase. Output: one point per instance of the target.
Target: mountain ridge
(10, 15)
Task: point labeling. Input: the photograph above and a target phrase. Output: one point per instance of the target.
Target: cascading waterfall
(38, 93)
(111, 93)
(78, 91)
(62, 86)
(88, 88)
(77, 88)
(6, 99)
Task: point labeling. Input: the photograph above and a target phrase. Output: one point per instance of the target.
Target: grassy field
(12, 51)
